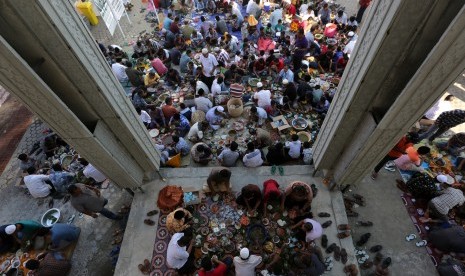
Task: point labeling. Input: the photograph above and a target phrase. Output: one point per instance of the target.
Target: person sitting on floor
(196, 132)
(60, 235)
(7, 240)
(207, 268)
(25, 231)
(61, 179)
(245, 264)
(448, 240)
(454, 145)
(201, 102)
(25, 162)
(271, 193)
(439, 207)
(37, 184)
(178, 254)
(215, 117)
(250, 197)
(307, 153)
(308, 230)
(181, 145)
(397, 151)
(421, 185)
(48, 264)
(229, 156)
(253, 158)
(258, 115)
(181, 123)
(410, 161)
(298, 196)
(201, 153)
(185, 111)
(218, 181)
(276, 155)
(178, 220)
(295, 147)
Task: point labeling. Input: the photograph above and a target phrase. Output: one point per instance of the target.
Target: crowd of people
(217, 56)
(296, 199)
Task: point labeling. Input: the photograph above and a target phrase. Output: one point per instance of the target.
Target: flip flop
(343, 227)
(149, 222)
(378, 258)
(324, 215)
(337, 253)
(343, 235)
(147, 265)
(376, 248)
(352, 214)
(281, 170)
(326, 224)
(71, 219)
(152, 213)
(143, 269)
(324, 241)
(365, 223)
(389, 169)
(410, 237)
(273, 169)
(421, 243)
(344, 256)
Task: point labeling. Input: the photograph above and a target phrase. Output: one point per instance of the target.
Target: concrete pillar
(51, 62)
(406, 56)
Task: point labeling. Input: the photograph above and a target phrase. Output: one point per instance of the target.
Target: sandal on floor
(344, 256)
(152, 213)
(143, 269)
(376, 248)
(149, 222)
(410, 237)
(389, 169)
(378, 258)
(351, 214)
(324, 215)
(365, 223)
(343, 227)
(326, 224)
(343, 235)
(337, 253)
(147, 265)
(273, 170)
(421, 243)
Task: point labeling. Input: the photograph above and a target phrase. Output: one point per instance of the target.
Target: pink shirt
(404, 162)
(159, 66)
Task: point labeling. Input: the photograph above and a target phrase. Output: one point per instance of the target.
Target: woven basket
(232, 109)
(198, 116)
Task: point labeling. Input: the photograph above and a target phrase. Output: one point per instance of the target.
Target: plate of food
(253, 82)
(265, 221)
(204, 231)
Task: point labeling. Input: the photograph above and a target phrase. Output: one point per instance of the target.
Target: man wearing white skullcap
(209, 65)
(263, 96)
(245, 263)
(7, 240)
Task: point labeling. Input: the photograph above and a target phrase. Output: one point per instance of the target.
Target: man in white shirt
(209, 63)
(144, 117)
(36, 184)
(119, 70)
(275, 16)
(245, 263)
(294, 147)
(215, 116)
(259, 114)
(91, 172)
(263, 97)
(216, 86)
(196, 132)
(177, 254)
(252, 8)
(341, 18)
(202, 103)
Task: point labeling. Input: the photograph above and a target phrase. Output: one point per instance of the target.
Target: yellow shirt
(150, 81)
(174, 225)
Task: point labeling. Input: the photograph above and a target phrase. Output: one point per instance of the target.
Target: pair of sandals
(421, 243)
(150, 222)
(280, 169)
(146, 267)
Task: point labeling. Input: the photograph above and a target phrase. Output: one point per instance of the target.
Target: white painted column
(60, 74)
(406, 56)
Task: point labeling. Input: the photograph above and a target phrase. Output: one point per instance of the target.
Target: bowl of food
(253, 82)
(304, 136)
(50, 217)
(299, 123)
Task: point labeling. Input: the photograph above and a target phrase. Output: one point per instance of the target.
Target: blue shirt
(62, 232)
(182, 147)
(289, 75)
(167, 23)
(183, 62)
(61, 180)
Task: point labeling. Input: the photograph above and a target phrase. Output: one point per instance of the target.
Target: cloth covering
(170, 197)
